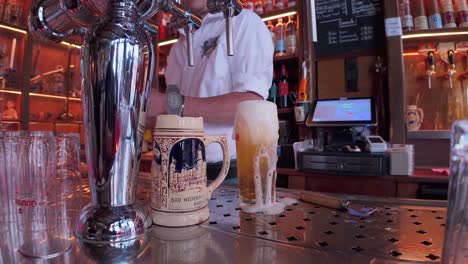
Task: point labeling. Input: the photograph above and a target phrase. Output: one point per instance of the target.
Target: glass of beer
(256, 134)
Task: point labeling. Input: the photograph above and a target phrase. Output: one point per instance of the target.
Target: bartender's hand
(156, 106)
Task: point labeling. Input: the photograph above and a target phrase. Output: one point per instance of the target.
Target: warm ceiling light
(13, 29)
(54, 96)
(42, 95)
(279, 16)
(411, 54)
(167, 42)
(440, 34)
(10, 92)
(71, 45)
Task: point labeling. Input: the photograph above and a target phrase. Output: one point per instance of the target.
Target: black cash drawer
(338, 162)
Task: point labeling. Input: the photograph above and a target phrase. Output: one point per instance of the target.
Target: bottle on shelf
(405, 14)
(448, 14)
(269, 5)
(12, 12)
(461, 8)
(283, 88)
(259, 7)
(433, 12)
(249, 4)
(280, 42)
(279, 4)
(271, 28)
(418, 10)
(291, 3)
(273, 92)
(291, 36)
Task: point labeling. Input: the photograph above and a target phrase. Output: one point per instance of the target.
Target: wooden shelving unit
(46, 56)
(285, 110)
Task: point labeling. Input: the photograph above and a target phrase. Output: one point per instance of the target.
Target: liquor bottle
(272, 30)
(418, 11)
(461, 7)
(249, 4)
(259, 7)
(280, 43)
(283, 88)
(405, 14)
(433, 14)
(273, 92)
(269, 6)
(291, 36)
(448, 14)
(279, 4)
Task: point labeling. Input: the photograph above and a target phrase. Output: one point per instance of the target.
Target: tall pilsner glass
(256, 134)
(456, 228)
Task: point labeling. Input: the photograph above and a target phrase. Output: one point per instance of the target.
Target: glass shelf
(42, 95)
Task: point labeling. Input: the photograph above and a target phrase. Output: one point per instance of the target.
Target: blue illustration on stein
(186, 174)
(187, 167)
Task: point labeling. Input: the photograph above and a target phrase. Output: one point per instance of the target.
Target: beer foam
(267, 209)
(266, 204)
(288, 201)
(257, 120)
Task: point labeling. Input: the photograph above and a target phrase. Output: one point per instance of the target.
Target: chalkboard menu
(348, 25)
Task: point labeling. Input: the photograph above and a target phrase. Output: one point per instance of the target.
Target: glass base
(45, 249)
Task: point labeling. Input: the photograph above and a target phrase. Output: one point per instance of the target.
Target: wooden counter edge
(419, 175)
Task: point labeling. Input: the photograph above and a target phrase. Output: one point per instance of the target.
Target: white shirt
(215, 73)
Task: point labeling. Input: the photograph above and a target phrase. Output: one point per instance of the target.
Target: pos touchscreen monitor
(343, 112)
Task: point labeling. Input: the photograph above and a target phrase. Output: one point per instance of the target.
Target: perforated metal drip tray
(394, 232)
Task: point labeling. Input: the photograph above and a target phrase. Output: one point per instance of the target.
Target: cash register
(344, 125)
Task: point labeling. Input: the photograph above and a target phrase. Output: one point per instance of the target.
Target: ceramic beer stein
(414, 118)
(180, 192)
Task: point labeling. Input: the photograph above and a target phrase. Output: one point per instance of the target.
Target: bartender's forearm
(217, 109)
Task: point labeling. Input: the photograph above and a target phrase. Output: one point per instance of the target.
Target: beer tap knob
(451, 69)
(186, 19)
(431, 71)
(230, 8)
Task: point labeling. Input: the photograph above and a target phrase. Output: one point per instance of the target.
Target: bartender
(217, 83)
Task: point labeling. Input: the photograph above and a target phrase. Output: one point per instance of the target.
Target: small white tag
(393, 27)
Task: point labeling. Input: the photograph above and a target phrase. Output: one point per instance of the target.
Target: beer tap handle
(229, 34)
(230, 9)
(430, 71)
(431, 59)
(451, 71)
(190, 22)
(451, 58)
(189, 36)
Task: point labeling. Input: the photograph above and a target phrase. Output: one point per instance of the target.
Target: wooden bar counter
(386, 186)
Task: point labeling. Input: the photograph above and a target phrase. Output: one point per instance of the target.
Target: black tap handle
(451, 57)
(431, 58)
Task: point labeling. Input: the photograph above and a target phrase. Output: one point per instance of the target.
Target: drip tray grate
(392, 232)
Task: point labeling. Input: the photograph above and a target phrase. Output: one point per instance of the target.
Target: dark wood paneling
(396, 70)
(331, 78)
(351, 185)
(407, 190)
(431, 152)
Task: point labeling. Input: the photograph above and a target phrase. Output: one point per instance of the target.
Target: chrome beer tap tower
(229, 8)
(184, 18)
(117, 61)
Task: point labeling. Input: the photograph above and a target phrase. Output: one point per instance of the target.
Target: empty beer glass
(35, 195)
(68, 179)
(4, 209)
(256, 134)
(456, 228)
